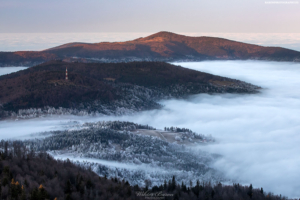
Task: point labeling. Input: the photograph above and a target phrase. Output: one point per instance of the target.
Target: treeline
(207, 191)
(119, 125)
(176, 129)
(29, 175)
(187, 133)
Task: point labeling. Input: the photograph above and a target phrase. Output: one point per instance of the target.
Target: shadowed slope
(90, 86)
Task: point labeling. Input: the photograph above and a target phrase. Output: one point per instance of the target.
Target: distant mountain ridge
(108, 88)
(161, 46)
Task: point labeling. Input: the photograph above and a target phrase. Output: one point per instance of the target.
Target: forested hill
(29, 175)
(162, 46)
(108, 87)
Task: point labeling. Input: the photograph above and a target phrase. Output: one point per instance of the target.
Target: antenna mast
(66, 73)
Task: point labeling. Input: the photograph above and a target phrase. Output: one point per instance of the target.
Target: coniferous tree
(173, 185)
(165, 184)
(183, 187)
(250, 192)
(68, 187)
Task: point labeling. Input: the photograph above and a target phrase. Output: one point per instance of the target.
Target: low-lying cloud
(258, 135)
(8, 70)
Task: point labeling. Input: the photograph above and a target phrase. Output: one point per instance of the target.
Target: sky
(70, 16)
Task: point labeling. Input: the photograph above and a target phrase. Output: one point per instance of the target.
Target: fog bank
(8, 70)
(257, 135)
(32, 128)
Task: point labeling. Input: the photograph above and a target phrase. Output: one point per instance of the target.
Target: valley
(240, 124)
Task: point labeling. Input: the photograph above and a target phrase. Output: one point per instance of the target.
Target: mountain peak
(161, 46)
(165, 35)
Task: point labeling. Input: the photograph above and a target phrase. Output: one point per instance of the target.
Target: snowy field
(257, 135)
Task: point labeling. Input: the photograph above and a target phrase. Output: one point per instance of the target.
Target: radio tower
(66, 73)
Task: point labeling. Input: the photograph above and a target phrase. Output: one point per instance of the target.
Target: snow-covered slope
(115, 149)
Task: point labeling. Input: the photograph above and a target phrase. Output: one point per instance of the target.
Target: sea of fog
(258, 135)
(8, 70)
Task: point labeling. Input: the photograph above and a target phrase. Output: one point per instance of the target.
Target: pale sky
(230, 16)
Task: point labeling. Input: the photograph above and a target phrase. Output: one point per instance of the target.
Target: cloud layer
(8, 70)
(257, 135)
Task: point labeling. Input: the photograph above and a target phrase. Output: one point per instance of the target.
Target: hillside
(25, 58)
(107, 88)
(38, 176)
(162, 46)
(123, 150)
(28, 174)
